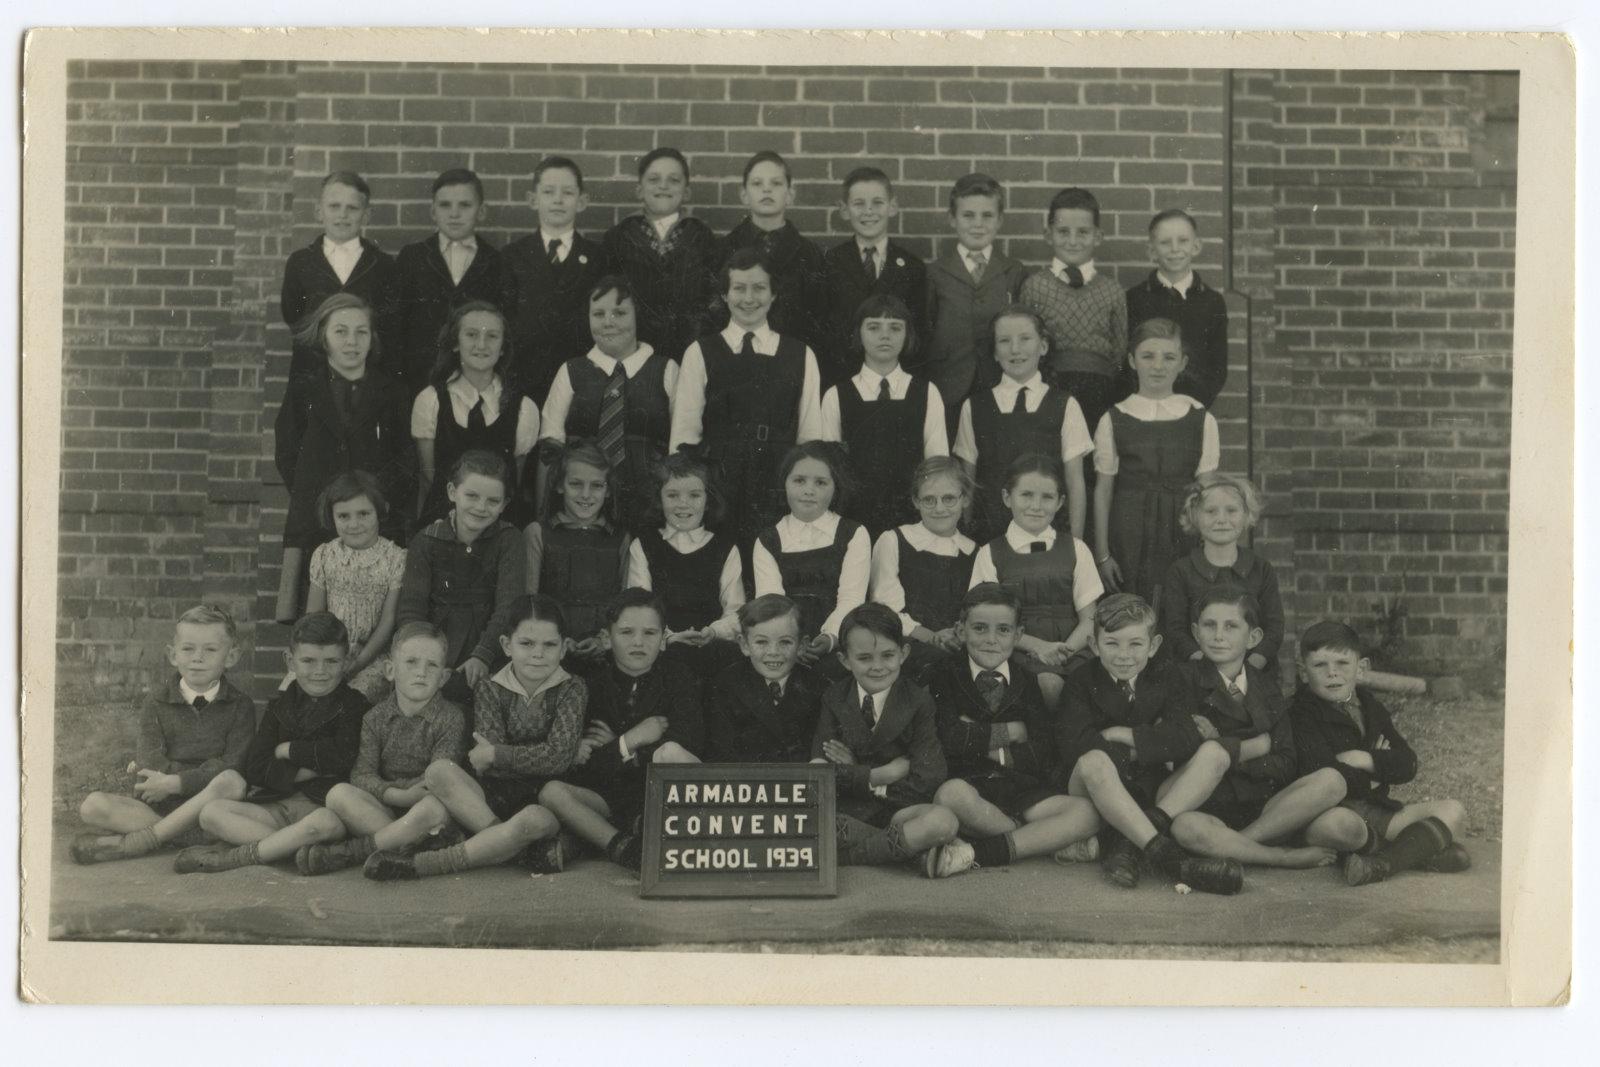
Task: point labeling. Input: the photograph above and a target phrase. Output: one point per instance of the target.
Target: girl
(1018, 416)
(357, 576)
(812, 556)
(1221, 509)
(884, 414)
(469, 405)
(578, 556)
(1147, 449)
(464, 572)
(922, 570)
(698, 573)
(620, 395)
(668, 257)
(1053, 573)
(342, 416)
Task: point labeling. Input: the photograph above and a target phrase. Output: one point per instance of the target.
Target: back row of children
(1186, 770)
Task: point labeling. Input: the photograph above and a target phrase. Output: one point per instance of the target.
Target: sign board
(739, 830)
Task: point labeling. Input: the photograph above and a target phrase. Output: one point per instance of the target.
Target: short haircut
(1035, 463)
(765, 608)
(1155, 330)
(634, 597)
(311, 331)
(1328, 634)
(977, 185)
(350, 178)
(447, 358)
(458, 176)
(319, 628)
(1194, 498)
(536, 607)
(767, 155)
(478, 461)
(1073, 199)
(348, 486)
(746, 258)
(877, 619)
(549, 163)
(1021, 311)
(663, 153)
(1173, 213)
(587, 452)
(987, 593)
(943, 466)
(420, 628)
(1236, 595)
(209, 615)
(686, 465)
(884, 306)
(830, 454)
(1122, 610)
(866, 174)
(613, 283)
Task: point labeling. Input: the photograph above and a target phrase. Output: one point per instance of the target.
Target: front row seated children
(999, 737)
(1339, 725)
(878, 731)
(1260, 801)
(1124, 719)
(642, 710)
(576, 554)
(526, 724)
(1051, 572)
(305, 745)
(820, 561)
(357, 576)
(386, 805)
(192, 728)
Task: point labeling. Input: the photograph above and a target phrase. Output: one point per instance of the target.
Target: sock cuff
(1441, 832)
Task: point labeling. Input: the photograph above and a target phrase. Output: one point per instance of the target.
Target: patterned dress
(357, 582)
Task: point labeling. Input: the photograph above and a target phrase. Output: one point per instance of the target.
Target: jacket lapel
(436, 263)
(896, 713)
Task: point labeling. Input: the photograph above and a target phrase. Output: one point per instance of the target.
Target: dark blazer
(308, 280)
(1322, 730)
(551, 324)
(674, 284)
(1202, 315)
(423, 296)
(969, 731)
(798, 289)
(1264, 711)
(905, 728)
(666, 689)
(1161, 715)
(323, 734)
(743, 725)
(960, 349)
(902, 274)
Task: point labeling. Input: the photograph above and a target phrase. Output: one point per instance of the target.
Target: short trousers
(166, 805)
(1011, 793)
(507, 796)
(1235, 804)
(874, 811)
(1377, 817)
(286, 811)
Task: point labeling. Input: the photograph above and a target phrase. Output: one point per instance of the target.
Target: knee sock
(1415, 844)
(239, 856)
(997, 851)
(1160, 820)
(357, 848)
(874, 849)
(441, 861)
(140, 842)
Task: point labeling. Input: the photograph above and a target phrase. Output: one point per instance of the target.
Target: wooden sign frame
(820, 881)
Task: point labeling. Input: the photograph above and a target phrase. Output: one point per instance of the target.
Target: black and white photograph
(802, 500)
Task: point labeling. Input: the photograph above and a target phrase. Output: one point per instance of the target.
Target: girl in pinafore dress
(357, 576)
(576, 554)
(1147, 450)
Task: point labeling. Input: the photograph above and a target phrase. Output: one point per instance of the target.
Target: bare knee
(342, 797)
(212, 815)
(1212, 756)
(323, 825)
(442, 774)
(1096, 769)
(1452, 813)
(1339, 829)
(942, 823)
(672, 752)
(229, 785)
(1329, 785)
(1192, 829)
(431, 813)
(955, 792)
(94, 808)
(534, 823)
(553, 794)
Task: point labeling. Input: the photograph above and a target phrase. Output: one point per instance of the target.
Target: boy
(552, 271)
(448, 267)
(1174, 291)
(868, 265)
(878, 731)
(306, 744)
(1259, 800)
(1339, 725)
(641, 711)
(1124, 719)
(386, 804)
(967, 287)
(191, 730)
(798, 287)
(341, 260)
(999, 739)
(1084, 311)
(763, 709)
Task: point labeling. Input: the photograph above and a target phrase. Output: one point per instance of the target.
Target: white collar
(470, 243)
(190, 694)
(460, 387)
(1176, 405)
(630, 363)
(878, 701)
(868, 378)
(663, 226)
(692, 538)
(565, 239)
(1059, 269)
(1181, 286)
(1009, 386)
(921, 538)
(881, 244)
(507, 678)
(1019, 539)
(733, 333)
(826, 524)
(968, 255)
(330, 245)
(1004, 670)
(1241, 683)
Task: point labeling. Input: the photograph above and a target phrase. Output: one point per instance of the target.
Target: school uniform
(961, 310)
(328, 425)
(1051, 572)
(849, 281)
(898, 722)
(1159, 705)
(464, 589)
(426, 291)
(1155, 449)
(580, 566)
(1202, 314)
(195, 736)
(396, 748)
(1010, 420)
(824, 566)
(323, 733)
(882, 420)
(1087, 322)
(1191, 576)
(326, 268)
(744, 398)
(748, 721)
(535, 735)
(617, 771)
(799, 290)
(551, 322)
(672, 267)
(697, 573)
(1323, 729)
(1241, 708)
(922, 577)
(458, 418)
(973, 706)
(643, 383)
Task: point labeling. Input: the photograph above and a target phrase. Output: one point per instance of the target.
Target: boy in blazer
(867, 265)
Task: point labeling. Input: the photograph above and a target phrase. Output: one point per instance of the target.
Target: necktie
(475, 422)
(1352, 708)
(979, 262)
(883, 390)
(867, 712)
(200, 703)
(1020, 407)
(1127, 689)
(748, 348)
(554, 251)
(1038, 546)
(1074, 277)
(869, 259)
(613, 406)
(776, 692)
(1235, 693)
(992, 687)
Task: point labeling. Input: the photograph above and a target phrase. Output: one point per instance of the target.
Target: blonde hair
(1246, 490)
(209, 615)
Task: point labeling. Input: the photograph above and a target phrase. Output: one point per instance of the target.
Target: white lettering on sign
(787, 793)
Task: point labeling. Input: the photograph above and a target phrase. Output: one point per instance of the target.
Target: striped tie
(612, 408)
